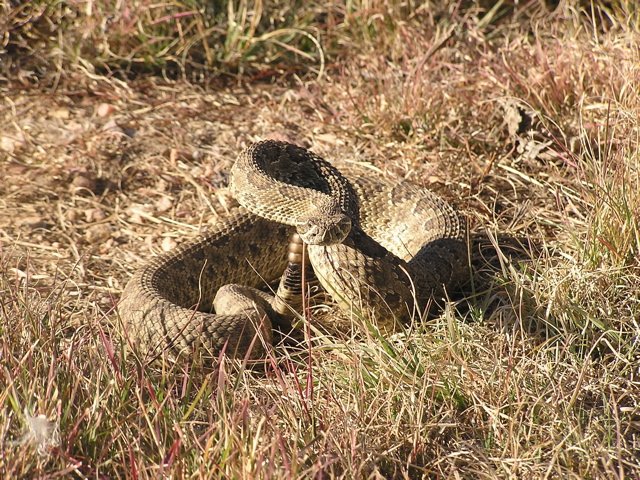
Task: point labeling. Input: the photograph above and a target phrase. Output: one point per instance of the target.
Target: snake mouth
(324, 231)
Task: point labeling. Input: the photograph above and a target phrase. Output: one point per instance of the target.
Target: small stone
(167, 244)
(97, 233)
(163, 204)
(105, 109)
(129, 131)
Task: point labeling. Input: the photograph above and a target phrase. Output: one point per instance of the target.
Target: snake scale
(379, 247)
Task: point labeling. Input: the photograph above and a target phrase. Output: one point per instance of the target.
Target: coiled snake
(378, 247)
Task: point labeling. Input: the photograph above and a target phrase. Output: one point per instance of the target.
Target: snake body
(379, 247)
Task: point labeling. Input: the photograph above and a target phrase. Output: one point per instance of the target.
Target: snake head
(324, 230)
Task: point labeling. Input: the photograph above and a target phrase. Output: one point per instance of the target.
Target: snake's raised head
(324, 230)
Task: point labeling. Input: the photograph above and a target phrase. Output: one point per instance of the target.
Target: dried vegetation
(120, 121)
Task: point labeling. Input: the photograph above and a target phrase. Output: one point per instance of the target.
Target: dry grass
(526, 118)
